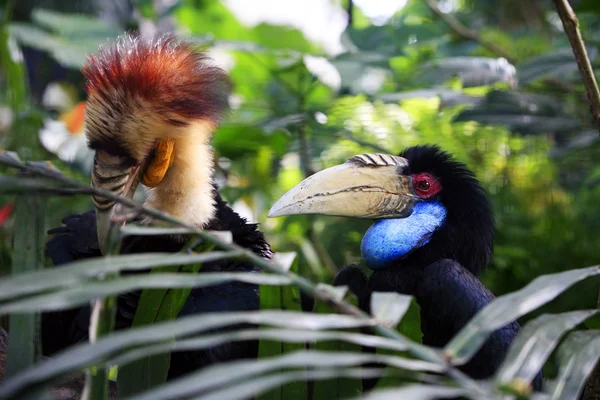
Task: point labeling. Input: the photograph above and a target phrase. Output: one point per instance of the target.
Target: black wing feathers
(77, 239)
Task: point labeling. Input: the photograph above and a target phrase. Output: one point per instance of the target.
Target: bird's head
(426, 207)
(153, 104)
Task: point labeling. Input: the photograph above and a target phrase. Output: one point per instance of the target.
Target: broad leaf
(418, 392)
(472, 71)
(84, 292)
(559, 64)
(67, 275)
(535, 343)
(262, 384)
(578, 355)
(263, 334)
(388, 308)
(24, 347)
(219, 375)
(82, 355)
(505, 309)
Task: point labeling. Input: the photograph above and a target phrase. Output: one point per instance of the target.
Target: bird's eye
(426, 185)
(423, 185)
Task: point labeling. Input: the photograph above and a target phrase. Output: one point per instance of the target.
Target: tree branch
(571, 26)
(468, 33)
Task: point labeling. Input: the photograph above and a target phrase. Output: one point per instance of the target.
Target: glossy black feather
(442, 275)
(77, 240)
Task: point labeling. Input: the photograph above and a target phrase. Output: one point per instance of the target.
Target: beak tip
(273, 212)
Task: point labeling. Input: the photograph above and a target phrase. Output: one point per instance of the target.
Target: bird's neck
(186, 192)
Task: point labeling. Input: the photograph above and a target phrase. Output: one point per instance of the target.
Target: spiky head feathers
(141, 90)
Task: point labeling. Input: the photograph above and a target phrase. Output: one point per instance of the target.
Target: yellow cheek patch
(163, 158)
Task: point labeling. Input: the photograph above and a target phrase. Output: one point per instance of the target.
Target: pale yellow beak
(369, 186)
(108, 175)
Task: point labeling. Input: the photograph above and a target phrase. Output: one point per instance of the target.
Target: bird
(432, 236)
(153, 104)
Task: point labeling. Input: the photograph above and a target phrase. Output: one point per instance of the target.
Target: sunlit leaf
(84, 292)
(418, 392)
(285, 260)
(505, 309)
(81, 355)
(262, 384)
(558, 64)
(472, 71)
(535, 343)
(217, 375)
(388, 308)
(578, 355)
(266, 334)
(67, 275)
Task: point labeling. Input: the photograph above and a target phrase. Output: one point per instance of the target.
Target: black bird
(433, 234)
(152, 107)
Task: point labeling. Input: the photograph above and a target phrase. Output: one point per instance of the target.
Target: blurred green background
(315, 82)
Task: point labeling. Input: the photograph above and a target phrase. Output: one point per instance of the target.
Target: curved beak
(121, 182)
(110, 174)
(369, 186)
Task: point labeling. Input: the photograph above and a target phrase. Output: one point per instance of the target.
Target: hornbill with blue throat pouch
(152, 107)
(432, 235)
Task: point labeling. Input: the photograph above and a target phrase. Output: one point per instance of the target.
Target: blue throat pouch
(388, 240)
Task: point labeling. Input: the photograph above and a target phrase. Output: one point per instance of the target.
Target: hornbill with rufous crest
(432, 235)
(152, 107)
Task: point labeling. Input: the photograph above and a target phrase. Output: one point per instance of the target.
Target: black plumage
(77, 239)
(442, 275)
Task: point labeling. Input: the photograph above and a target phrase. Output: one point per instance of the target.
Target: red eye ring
(426, 185)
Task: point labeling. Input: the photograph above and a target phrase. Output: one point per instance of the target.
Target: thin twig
(468, 33)
(420, 351)
(571, 26)
(350, 12)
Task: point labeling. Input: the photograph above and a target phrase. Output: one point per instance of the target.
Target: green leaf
(11, 184)
(84, 292)
(71, 273)
(155, 305)
(74, 36)
(521, 112)
(410, 327)
(339, 387)
(142, 230)
(220, 375)
(13, 67)
(578, 355)
(388, 308)
(81, 355)
(267, 334)
(535, 343)
(417, 392)
(262, 384)
(24, 347)
(559, 64)
(505, 309)
(270, 299)
(241, 140)
(472, 71)
(74, 25)
(290, 301)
